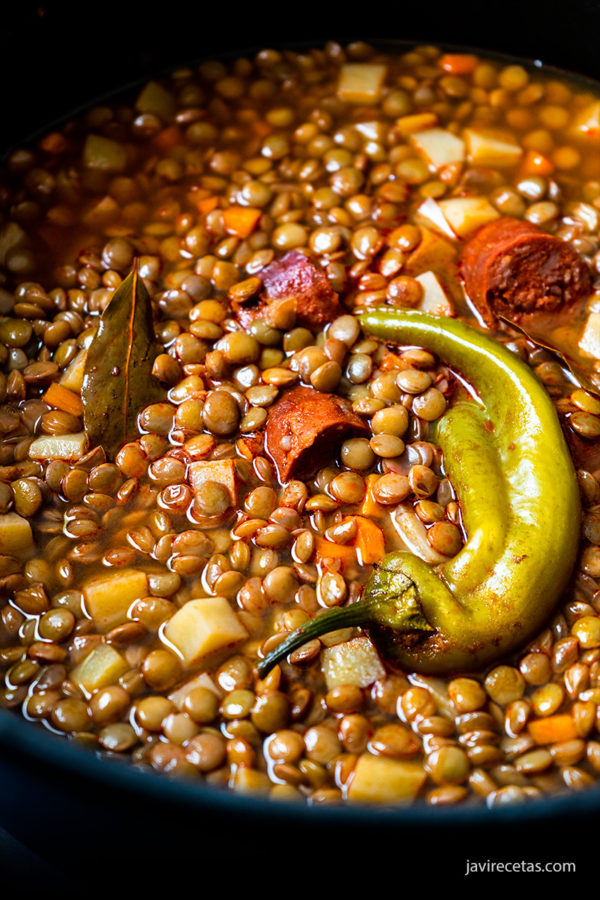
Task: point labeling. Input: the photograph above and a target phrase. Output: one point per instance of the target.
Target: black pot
(73, 818)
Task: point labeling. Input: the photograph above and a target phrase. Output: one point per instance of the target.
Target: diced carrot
(62, 398)
(553, 729)
(241, 220)
(54, 142)
(458, 63)
(535, 163)
(168, 138)
(220, 470)
(369, 541)
(261, 128)
(391, 361)
(416, 122)
(331, 550)
(370, 506)
(207, 204)
(251, 446)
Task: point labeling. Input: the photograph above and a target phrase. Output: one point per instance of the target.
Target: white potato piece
(59, 446)
(157, 100)
(589, 342)
(202, 680)
(12, 237)
(203, 626)
(586, 123)
(16, 536)
(372, 131)
(103, 666)
(352, 662)
(434, 300)
(108, 597)
(379, 779)
(104, 154)
(361, 82)
(466, 214)
(431, 216)
(439, 147)
(72, 377)
(487, 147)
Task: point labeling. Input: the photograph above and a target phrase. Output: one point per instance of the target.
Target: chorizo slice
(511, 268)
(294, 277)
(305, 429)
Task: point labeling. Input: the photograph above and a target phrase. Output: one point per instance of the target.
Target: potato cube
(589, 342)
(435, 299)
(492, 148)
(361, 82)
(104, 154)
(202, 680)
(586, 124)
(16, 536)
(372, 131)
(157, 100)
(59, 446)
(439, 147)
(203, 626)
(108, 597)
(466, 214)
(103, 666)
(431, 216)
(379, 779)
(72, 377)
(219, 470)
(12, 237)
(352, 662)
(433, 252)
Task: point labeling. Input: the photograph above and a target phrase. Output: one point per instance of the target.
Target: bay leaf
(578, 376)
(118, 381)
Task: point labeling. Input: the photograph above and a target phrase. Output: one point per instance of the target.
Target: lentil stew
(282, 450)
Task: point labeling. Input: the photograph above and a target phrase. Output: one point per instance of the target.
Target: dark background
(54, 57)
(57, 831)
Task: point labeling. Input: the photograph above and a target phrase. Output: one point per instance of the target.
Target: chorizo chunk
(294, 277)
(305, 429)
(511, 267)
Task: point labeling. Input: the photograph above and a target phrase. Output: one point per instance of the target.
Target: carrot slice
(330, 550)
(369, 541)
(207, 204)
(370, 506)
(553, 729)
(241, 220)
(458, 63)
(168, 138)
(54, 142)
(62, 398)
(535, 163)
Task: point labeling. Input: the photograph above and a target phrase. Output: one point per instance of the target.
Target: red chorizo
(305, 429)
(294, 277)
(511, 267)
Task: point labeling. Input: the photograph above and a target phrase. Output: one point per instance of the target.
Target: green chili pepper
(508, 461)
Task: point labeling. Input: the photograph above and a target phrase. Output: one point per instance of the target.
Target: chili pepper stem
(400, 611)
